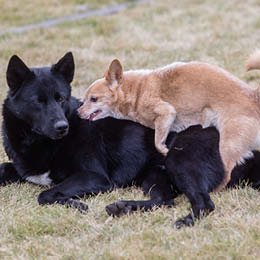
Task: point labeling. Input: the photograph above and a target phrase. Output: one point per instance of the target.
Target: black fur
(42, 132)
(195, 168)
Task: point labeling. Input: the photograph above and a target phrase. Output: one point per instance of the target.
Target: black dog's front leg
(201, 204)
(156, 182)
(77, 185)
(194, 181)
(8, 174)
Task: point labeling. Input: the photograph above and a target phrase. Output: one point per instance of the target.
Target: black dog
(48, 143)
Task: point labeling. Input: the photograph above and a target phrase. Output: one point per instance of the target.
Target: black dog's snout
(61, 126)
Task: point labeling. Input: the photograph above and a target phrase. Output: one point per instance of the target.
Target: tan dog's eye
(93, 99)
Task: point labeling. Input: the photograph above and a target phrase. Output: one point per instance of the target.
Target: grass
(144, 36)
(13, 13)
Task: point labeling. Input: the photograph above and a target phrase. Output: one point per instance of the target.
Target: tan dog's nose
(81, 112)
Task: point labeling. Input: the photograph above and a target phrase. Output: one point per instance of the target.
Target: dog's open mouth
(93, 115)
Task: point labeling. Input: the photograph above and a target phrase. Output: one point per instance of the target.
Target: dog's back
(199, 90)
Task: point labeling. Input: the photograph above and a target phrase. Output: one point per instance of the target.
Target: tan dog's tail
(253, 62)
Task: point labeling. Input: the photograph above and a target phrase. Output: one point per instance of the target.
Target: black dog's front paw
(118, 209)
(187, 221)
(46, 197)
(49, 197)
(82, 207)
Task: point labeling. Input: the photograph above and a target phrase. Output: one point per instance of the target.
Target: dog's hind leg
(201, 205)
(194, 179)
(194, 166)
(157, 184)
(166, 115)
(235, 145)
(8, 174)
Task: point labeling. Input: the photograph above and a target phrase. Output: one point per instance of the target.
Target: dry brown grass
(146, 36)
(16, 13)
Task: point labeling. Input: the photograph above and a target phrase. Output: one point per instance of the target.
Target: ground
(144, 36)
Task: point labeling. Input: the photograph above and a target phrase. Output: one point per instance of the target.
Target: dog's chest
(41, 179)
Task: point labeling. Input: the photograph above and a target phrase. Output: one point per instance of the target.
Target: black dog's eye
(59, 99)
(93, 99)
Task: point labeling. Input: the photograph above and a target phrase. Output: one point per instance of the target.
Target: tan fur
(253, 61)
(175, 97)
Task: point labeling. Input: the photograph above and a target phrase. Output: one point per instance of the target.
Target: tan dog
(177, 96)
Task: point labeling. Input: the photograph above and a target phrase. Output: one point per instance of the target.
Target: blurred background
(144, 35)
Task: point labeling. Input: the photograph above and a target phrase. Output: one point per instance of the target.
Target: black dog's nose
(61, 126)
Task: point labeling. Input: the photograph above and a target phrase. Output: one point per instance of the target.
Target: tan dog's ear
(115, 73)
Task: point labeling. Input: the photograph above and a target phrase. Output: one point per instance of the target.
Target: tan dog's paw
(163, 149)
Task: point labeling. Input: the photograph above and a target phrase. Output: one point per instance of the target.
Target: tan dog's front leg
(162, 125)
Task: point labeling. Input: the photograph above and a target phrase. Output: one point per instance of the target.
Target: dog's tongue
(91, 116)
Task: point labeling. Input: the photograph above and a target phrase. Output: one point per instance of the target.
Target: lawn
(144, 36)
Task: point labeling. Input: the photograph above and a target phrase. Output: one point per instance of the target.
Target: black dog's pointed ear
(65, 66)
(17, 72)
